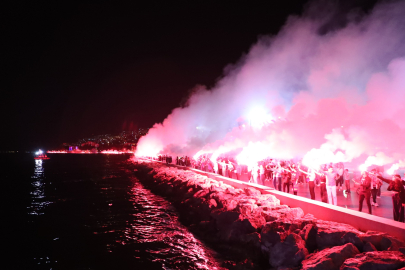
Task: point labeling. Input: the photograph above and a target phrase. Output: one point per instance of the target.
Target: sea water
(89, 211)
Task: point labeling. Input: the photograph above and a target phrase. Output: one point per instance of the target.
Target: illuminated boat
(40, 155)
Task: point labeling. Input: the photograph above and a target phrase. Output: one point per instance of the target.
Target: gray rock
(351, 237)
(289, 253)
(377, 260)
(310, 231)
(330, 233)
(367, 247)
(224, 219)
(330, 258)
(373, 237)
(271, 235)
(391, 243)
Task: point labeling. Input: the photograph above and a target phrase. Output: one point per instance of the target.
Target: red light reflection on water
(155, 226)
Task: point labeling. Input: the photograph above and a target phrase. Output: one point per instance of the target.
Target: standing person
(210, 166)
(262, 173)
(396, 185)
(238, 171)
(220, 167)
(346, 178)
(311, 177)
(277, 177)
(249, 172)
(255, 173)
(375, 185)
(322, 185)
(331, 186)
(215, 167)
(286, 180)
(294, 175)
(365, 191)
(340, 170)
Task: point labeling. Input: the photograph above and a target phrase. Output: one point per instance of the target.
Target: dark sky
(75, 70)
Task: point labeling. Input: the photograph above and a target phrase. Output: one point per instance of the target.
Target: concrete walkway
(351, 200)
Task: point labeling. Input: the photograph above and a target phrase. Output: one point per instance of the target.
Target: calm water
(90, 212)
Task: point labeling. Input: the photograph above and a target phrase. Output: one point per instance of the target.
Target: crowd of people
(286, 175)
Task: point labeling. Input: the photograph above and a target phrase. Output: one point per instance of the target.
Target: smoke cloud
(325, 95)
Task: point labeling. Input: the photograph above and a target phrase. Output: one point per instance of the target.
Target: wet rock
(251, 240)
(212, 203)
(271, 216)
(224, 219)
(232, 205)
(244, 226)
(391, 243)
(367, 247)
(373, 238)
(376, 260)
(222, 198)
(330, 258)
(351, 237)
(266, 198)
(201, 194)
(290, 213)
(251, 191)
(289, 253)
(309, 235)
(270, 237)
(330, 233)
(256, 224)
(246, 208)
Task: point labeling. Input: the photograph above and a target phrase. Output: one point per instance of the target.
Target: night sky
(71, 71)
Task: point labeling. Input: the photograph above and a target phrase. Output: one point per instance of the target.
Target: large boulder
(330, 233)
(309, 233)
(367, 247)
(384, 260)
(391, 243)
(251, 240)
(373, 237)
(222, 198)
(271, 215)
(351, 237)
(330, 258)
(251, 191)
(224, 219)
(290, 213)
(246, 208)
(244, 226)
(289, 253)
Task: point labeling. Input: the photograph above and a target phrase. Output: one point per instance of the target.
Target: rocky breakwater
(260, 232)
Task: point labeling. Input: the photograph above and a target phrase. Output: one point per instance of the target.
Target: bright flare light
(253, 153)
(393, 168)
(316, 157)
(363, 167)
(258, 117)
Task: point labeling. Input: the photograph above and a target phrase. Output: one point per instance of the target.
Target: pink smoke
(336, 97)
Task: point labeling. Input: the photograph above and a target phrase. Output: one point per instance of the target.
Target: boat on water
(40, 155)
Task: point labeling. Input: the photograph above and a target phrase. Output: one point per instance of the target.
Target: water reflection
(155, 226)
(38, 200)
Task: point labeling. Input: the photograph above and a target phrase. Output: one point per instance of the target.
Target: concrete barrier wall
(320, 210)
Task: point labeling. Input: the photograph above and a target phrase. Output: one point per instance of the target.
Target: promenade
(351, 200)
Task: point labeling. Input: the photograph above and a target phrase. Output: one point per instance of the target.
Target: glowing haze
(314, 91)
